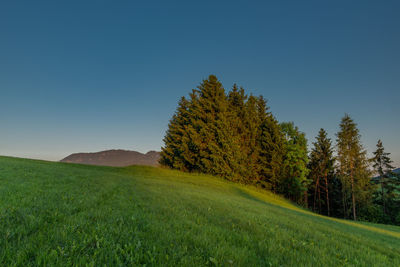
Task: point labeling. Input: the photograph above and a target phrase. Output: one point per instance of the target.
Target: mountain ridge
(115, 158)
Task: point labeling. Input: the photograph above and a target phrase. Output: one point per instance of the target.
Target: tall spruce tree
(252, 125)
(352, 167)
(271, 142)
(240, 124)
(214, 137)
(392, 198)
(382, 165)
(176, 151)
(294, 180)
(321, 167)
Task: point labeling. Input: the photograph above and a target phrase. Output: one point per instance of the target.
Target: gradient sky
(80, 76)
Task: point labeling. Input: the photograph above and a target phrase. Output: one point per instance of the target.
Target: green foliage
(272, 148)
(58, 214)
(382, 161)
(387, 195)
(244, 126)
(212, 135)
(321, 167)
(230, 135)
(294, 179)
(199, 136)
(178, 153)
(352, 168)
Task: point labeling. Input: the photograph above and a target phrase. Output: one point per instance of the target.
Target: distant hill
(116, 158)
(396, 171)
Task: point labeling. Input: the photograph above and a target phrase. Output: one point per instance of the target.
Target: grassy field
(65, 214)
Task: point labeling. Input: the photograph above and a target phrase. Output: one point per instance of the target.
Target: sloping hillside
(63, 214)
(116, 158)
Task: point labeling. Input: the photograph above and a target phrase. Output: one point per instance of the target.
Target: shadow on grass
(297, 211)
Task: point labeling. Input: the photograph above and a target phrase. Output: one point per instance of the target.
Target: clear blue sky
(92, 75)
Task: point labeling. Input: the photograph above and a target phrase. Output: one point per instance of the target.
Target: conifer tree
(383, 167)
(214, 137)
(241, 133)
(252, 126)
(172, 154)
(321, 167)
(271, 145)
(392, 198)
(352, 166)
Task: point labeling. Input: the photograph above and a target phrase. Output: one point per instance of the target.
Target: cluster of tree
(234, 135)
(342, 186)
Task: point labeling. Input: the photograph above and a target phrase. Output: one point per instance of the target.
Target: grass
(76, 215)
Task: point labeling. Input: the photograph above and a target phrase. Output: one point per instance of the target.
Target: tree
(252, 126)
(176, 152)
(321, 167)
(392, 198)
(271, 143)
(352, 166)
(215, 139)
(294, 179)
(244, 129)
(387, 179)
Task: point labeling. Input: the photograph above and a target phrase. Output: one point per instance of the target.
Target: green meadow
(59, 214)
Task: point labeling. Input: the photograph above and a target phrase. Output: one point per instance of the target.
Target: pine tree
(172, 154)
(214, 137)
(252, 125)
(271, 142)
(321, 167)
(241, 133)
(383, 167)
(353, 166)
(392, 198)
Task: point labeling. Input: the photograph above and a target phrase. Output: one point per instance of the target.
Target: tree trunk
(383, 195)
(353, 197)
(344, 204)
(305, 198)
(315, 191)
(319, 199)
(327, 193)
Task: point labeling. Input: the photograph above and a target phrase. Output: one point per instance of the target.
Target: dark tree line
(235, 136)
(387, 194)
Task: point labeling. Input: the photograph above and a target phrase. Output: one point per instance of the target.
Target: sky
(86, 76)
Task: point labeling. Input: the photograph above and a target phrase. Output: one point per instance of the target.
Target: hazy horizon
(86, 77)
